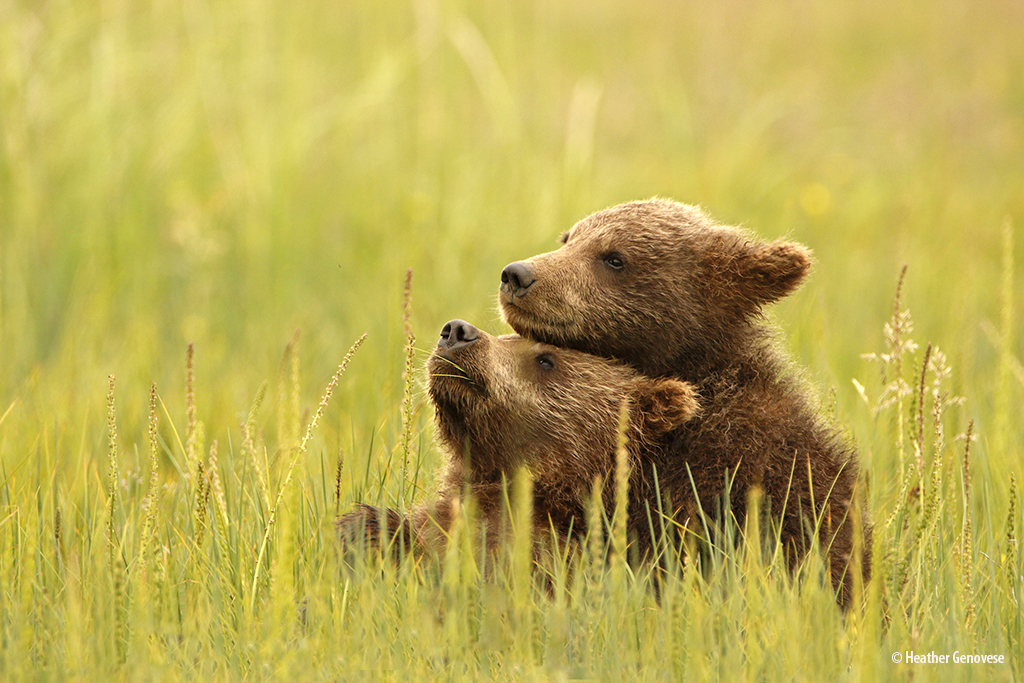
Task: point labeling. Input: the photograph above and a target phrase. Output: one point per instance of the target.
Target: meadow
(205, 206)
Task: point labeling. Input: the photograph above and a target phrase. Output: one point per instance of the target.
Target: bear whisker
(449, 361)
(465, 377)
(420, 349)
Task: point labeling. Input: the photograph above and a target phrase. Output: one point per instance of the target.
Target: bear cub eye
(546, 361)
(614, 261)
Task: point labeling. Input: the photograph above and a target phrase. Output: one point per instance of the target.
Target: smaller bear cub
(507, 402)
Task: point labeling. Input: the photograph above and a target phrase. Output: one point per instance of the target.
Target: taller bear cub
(502, 403)
(662, 287)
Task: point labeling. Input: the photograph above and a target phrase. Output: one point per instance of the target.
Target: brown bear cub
(507, 402)
(662, 287)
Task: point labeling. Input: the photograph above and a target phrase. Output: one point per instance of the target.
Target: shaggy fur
(662, 287)
(508, 402)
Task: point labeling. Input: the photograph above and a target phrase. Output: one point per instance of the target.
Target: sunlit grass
(206, 575)
(185, 185)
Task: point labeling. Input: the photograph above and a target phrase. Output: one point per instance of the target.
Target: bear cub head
(654, 283)
(508, 402)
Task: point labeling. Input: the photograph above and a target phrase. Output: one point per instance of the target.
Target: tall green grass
(224, 174)
(231, 571)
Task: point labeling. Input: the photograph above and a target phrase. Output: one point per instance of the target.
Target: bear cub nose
(457, 333)
(517, 278)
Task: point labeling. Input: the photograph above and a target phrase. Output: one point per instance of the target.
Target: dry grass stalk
(408, 377)
(249, 443)
(291, 466)
(967, 542)
(149, 502)
(919, 442)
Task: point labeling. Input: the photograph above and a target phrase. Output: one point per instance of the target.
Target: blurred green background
(227, 172)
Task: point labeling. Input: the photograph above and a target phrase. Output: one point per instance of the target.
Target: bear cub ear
(664, 404)
(771, 271)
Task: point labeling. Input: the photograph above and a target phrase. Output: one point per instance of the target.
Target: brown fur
(664, 288)
(508, 402)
